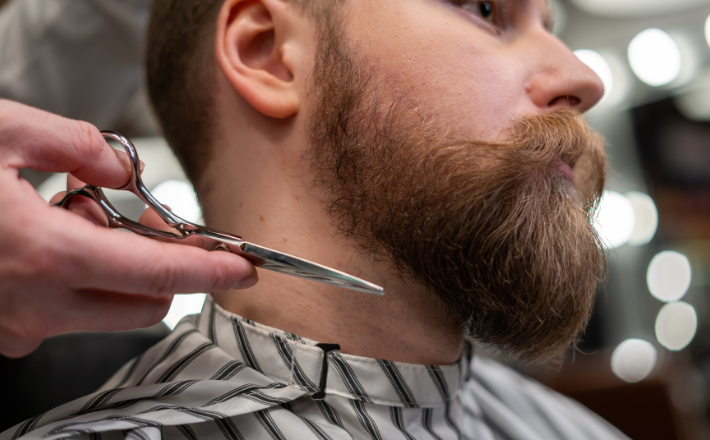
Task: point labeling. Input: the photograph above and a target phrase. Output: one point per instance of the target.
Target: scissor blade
(288, 264)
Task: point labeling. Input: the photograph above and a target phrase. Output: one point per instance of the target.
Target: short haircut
(180, 66)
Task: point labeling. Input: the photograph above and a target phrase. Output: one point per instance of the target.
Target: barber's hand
(63, 272)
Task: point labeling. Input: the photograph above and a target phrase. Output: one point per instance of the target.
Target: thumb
(32, 138)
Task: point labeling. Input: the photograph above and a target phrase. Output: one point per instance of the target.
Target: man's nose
(558, 78)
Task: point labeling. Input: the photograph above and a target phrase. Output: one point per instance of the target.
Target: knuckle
(4, 108)
(222, 278)
(31, 261)
(15, 352)
(12, 134)
(9, 108)
(22, 327)
(9, 328)
(86, 139)
(46, 263)
(158, 310)
(166, 277)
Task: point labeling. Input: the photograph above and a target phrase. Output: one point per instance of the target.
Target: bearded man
(433, 147)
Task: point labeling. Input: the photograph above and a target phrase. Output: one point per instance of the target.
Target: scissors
(191, 234)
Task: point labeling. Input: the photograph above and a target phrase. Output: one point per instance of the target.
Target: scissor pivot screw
(222, 247)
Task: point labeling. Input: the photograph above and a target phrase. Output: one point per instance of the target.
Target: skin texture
(475, 77)
(63, 272)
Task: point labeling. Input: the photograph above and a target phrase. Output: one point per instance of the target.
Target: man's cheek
(481, 103)
(451, 69)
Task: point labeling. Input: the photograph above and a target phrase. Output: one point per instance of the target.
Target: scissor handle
(185, 231)
(135, 183)
(115, 218)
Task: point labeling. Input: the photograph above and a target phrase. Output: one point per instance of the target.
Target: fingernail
(167, 207)
(124, 160)
(247, 282)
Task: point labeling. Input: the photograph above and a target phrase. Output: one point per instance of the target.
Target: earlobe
(250, 52)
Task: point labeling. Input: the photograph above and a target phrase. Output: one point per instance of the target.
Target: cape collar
(298, 362)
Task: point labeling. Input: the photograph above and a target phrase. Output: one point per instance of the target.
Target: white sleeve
(79, 58)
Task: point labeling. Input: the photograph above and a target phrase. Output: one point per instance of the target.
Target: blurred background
(644, 361)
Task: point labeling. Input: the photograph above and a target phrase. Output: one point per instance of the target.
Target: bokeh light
(600, 66)
(182, 306)
(669, 276)
(180, 197)
(707, 30)
(676, 325)
(646, 218)
(633, 360)
(654, 57)
(615, 219)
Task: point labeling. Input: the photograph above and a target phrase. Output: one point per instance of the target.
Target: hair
(180, 66)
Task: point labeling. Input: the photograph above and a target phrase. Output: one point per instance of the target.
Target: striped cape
(220, 376)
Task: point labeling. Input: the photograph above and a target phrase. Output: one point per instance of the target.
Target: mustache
(562, 135)
(543, 141)
(531, 151)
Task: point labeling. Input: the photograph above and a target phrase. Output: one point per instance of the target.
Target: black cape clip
(327, 348)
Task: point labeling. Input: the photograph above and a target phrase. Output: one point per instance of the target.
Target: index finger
(122, 262)
(32, 138)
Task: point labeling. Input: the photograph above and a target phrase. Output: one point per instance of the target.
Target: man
(433, 147)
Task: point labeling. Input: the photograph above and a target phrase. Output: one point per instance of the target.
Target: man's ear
(250, 44)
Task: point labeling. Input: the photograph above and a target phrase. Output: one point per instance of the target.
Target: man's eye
(486, 10)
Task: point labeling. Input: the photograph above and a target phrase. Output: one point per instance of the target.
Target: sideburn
(492, 230)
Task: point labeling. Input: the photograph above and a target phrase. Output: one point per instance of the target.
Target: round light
(654, 57)
(182, 306)
(676, 325)
(615, 219)
(599, 65)
(668, 276)
(695, 103)
(707, 30)
(646, 218)
(633, 360)
(180, 197)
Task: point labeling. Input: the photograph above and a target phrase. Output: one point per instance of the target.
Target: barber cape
(222, 376)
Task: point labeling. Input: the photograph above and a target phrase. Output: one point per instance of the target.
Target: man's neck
(262, 190)
(405, 325)
(394, 326)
